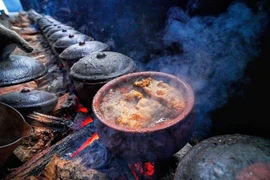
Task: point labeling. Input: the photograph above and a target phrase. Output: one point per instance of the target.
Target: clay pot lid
(59, 34)
(19, 69)
(102, 66)
(54, 29)
(29, 98)
(83, 49)
(43, 23)
(71, 39)
(53, 26)
(232, 156)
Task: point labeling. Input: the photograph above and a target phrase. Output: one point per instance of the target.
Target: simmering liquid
(143, 103)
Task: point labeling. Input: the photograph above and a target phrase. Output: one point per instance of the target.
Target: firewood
(65, 170)
(36, 165)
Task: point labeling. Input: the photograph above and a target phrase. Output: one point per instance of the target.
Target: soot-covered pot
(93, 71)
(79, 50)
(61, 44)
(43, 23)
(16, 69)
(26, 101)
(50, 30)
(52, 27)
(144, 116)
(59, 34)
(232, 156)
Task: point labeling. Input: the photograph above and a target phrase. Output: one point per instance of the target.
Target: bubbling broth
(143, 104)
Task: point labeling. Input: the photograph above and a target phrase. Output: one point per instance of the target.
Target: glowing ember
(82, 109)
(146, 169)
(85, 144)
(86, 121)
(150, 169)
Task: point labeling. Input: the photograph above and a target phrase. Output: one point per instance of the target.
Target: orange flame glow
(85, 144)
(82, 109)
(86, 121)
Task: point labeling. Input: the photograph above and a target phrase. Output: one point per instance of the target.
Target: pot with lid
(230, 156)
(59, 34)
(93, 71)
(43, 23)
(16, 69)
(27, 101)
(61, 44)
(79, 50)
(52, 29)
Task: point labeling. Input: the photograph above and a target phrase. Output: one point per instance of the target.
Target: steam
(216, 51)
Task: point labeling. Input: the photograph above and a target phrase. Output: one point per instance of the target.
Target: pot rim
(28, 127)
(181, 118)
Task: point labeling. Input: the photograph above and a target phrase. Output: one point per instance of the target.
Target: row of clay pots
(89, 62)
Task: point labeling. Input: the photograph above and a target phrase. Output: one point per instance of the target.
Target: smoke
(216, 51)
(209, 52)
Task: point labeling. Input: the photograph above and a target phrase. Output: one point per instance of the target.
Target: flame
(85, 144)
(146, 169)
(86, 121)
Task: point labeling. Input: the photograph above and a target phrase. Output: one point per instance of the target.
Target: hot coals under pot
(93, 71)
(152, 119)
(235, 157)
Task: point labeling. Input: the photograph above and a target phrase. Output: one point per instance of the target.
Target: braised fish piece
(163, 92)
(133, 95)
(143, 114)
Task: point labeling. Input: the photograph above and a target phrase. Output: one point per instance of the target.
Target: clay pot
(93, 71)
(43, 23)
(33, 15)
(46, 21)
(61, 44)
(26, 101)
(79, 50)
(232, 156)
(52, 29)
(16, 69)
(59, 34)
(13, 129)
(151, 143)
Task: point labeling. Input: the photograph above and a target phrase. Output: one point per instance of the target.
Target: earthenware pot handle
(9, 40)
